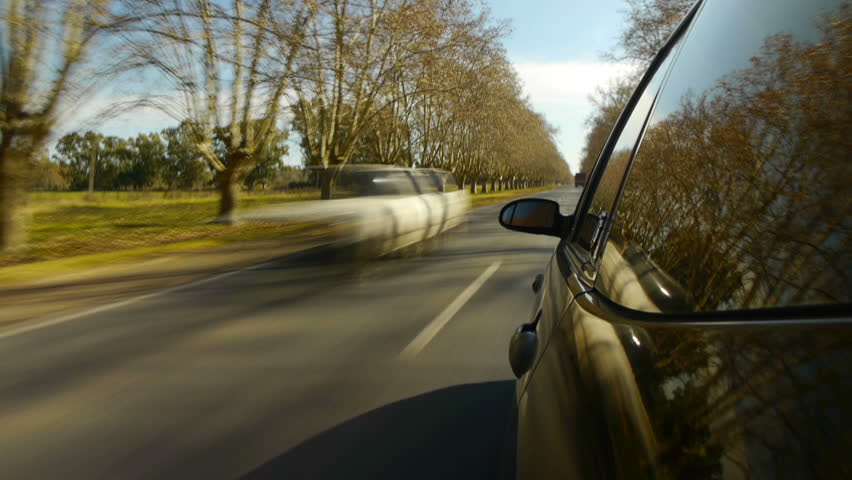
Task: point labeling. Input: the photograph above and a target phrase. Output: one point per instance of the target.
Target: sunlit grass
(24, 272)
(39, 201)
(65, 224)
(67, 231)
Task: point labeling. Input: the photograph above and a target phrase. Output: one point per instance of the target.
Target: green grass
(484, 199)
(49, 200)
(38, 270)
(69, 232)
(65, 224)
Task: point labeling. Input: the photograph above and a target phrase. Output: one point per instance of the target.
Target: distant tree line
(166, 160)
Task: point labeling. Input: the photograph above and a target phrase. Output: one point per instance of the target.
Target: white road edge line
(435, 326)
(111, 306)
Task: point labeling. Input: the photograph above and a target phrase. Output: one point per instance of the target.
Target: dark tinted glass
(450, 183)
(532, 213)
(427, 182)
(739, 195)
(390, 183)
(610, 182)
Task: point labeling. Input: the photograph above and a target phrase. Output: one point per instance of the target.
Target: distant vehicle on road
(695, 319)
(379, 210)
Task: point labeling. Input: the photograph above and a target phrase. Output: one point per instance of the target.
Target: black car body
(694, 320)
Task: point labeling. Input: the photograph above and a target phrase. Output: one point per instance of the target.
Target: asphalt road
(295, 368)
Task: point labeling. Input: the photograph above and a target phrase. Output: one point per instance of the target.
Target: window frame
(591, 257)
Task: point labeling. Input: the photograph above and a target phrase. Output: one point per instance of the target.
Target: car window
(374, 182)
(427, 182)
(392, 183)
(738, 197)
(610, 181)
(450, 183)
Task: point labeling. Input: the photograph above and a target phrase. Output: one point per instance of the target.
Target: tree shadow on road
(464, 431)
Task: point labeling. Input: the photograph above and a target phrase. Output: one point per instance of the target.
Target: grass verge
(69, 233)
(65, 225)
(28, 272)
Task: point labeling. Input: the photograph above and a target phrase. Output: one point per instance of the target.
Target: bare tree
(416, 83)
(609, 101)
(648, 25)
(43, 48)
(228, 68)
(347, 60)
(362, 63)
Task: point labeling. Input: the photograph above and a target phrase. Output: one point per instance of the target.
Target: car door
(557, 436)
(710, 332)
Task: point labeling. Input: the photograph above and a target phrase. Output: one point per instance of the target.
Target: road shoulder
(45, 297)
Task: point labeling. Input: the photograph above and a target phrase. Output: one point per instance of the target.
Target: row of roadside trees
(405, 82)
(648, 25)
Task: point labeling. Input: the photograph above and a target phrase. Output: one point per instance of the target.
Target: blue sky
(554, 45)
(558, 31)
(556, 48)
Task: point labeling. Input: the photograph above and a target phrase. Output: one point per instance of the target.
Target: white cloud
(100, 114)
(560, 92)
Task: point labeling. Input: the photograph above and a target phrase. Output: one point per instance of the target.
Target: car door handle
(522, 349)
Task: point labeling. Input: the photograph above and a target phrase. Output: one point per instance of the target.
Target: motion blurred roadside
(380, 210)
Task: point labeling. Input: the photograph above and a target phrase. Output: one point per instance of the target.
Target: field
(65, 224)
(68, 231)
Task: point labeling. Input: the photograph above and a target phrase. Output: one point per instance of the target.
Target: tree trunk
(473, 186)
(13, 196)
(327, 178)
(493, 186)
(228, 191)
(92, 163)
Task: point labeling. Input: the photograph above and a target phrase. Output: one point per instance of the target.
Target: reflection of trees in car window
(533, 214)
(736, 199)
(610, 181)
(729, 404)
(741, 193)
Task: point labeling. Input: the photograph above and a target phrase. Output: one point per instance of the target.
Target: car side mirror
(533, 215)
